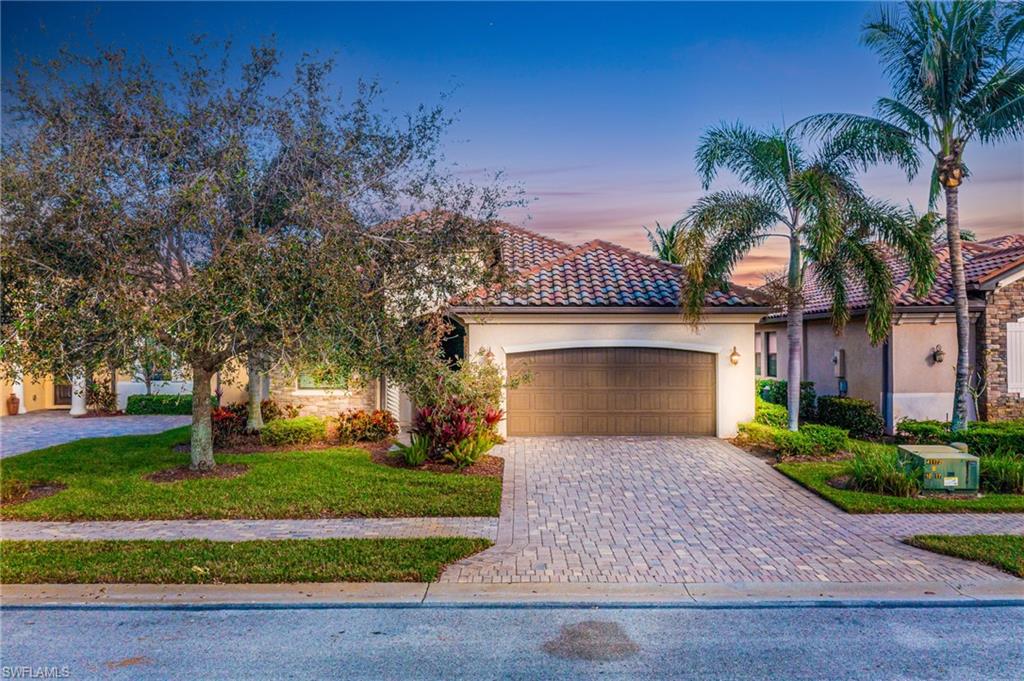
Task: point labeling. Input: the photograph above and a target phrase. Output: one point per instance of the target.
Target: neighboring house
(912, 374)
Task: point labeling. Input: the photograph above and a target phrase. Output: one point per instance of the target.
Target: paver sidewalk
(243, 530)
(38, 429)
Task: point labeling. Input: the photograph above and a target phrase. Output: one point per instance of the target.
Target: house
(912, 373)
(599, 329)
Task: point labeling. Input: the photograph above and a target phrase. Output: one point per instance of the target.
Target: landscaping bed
(486, 466)
(1004, 551)
(200, 561)
(817, 476)
(105, 479)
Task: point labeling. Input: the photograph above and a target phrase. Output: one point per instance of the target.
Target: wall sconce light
(734, 356)
(938, 354)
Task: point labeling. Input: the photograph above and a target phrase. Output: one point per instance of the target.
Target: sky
(594, 110)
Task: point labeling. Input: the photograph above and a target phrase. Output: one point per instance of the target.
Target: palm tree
(957, 76)
(812, 201)
(663, 241)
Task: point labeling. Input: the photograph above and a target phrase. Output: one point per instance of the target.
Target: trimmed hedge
(983, 438)
(161, 404)
(810, 440)
(774, 391)
(859, 417)
(770, 414)
(301, 430)
(1002, 474)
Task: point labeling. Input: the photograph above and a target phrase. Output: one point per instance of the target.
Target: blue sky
(594, 109)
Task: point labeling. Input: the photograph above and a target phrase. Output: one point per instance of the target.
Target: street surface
(374, 642)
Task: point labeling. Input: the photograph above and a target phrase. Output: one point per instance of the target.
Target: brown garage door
(613, 391)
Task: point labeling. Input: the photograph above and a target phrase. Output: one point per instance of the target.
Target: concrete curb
(781, 594)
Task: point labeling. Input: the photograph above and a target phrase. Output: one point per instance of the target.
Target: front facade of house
(598, 329)
(912, 373)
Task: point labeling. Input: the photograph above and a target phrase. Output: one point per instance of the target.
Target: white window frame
(1015, 356)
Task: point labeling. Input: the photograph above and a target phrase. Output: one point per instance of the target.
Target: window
(320, 380)
(758, 344)
(772, 349)
(1015, 357)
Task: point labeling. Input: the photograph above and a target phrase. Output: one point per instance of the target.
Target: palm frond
(716, 233)
(760, 160)
(663, 241)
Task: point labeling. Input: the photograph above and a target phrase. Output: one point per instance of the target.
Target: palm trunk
(202, 428)
(794, 334)
(963, 322)
(254, 421)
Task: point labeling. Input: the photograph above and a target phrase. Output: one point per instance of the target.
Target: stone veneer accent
(1003, 305)
(284, 389)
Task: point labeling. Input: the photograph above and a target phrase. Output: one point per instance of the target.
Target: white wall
(509, 333)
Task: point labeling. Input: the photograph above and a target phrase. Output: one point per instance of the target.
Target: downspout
(887, 386)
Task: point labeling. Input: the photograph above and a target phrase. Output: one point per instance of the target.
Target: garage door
(613, 391)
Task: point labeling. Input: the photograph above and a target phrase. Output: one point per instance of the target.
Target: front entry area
(613, 391)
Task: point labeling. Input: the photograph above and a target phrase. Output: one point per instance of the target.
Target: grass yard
(815, 476)
(104, 478)
(199, 561)
(1004, 551)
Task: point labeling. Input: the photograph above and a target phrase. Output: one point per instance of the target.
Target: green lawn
(815, 476)
(199, 561)
(1004, 551)
(104, 478)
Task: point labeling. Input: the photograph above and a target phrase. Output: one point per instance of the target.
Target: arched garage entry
(613, 391)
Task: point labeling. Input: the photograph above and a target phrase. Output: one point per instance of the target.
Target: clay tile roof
(983, 262)
(597, 273)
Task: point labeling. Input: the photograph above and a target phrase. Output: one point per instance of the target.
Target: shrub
(774, 391)
(161, 404)
(982, 438)
(357, 425)
(859, 417)
(271, 411)
(790, 443)
(468, 451)
(770, 414)
(1002, 473)
(826, 439)
(416, 452)
(880, 471)
(227, 422)
(301, 430)
(99, 397)
(757, 433)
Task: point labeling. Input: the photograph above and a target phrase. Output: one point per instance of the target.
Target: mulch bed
(37, 490)
(488, 466)
(249, 444)
(221, 471)
(771, 456)
(99, 414)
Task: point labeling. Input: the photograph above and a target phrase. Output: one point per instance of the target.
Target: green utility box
(941, 467)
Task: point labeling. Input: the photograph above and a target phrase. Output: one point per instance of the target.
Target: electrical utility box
(941, 467)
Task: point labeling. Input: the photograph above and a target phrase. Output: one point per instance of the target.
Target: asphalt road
(521, 642)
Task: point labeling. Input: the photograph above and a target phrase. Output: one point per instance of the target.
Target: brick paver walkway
(39, 429)
(242, 530)
(694, 510)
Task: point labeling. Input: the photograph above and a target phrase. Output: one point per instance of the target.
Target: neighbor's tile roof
(598, 273)
(983, 261)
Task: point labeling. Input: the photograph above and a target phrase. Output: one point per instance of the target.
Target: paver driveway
(39, 429)
(694, 510)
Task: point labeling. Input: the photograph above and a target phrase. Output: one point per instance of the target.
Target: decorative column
(18, 388)
(78, 394)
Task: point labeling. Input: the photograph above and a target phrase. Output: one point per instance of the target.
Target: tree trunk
(963, 321)
(794, 334)
(202, 428)
(254, 422)
(113, 382)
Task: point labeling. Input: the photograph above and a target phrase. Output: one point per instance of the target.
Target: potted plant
(12, 404)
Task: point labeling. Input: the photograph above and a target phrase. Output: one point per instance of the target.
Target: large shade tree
(253, 215)
(957, 77)
(813, 202)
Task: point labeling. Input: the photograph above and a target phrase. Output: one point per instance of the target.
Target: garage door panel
(613, 391)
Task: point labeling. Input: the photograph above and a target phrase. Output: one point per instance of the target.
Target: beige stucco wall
(38, 394)
(863, 361)
(508, 333)
(922, 388)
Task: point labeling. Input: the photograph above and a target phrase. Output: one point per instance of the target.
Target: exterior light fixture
(734, 356)
(938, 354)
